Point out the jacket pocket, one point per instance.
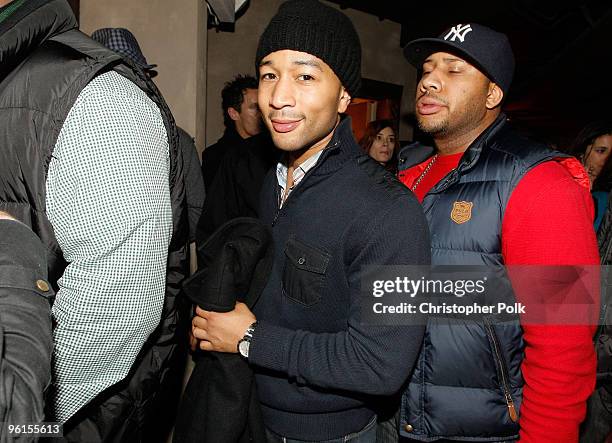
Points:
(304, 272)
(500, 363)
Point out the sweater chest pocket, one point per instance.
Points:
(304, 272)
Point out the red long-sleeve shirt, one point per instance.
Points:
(548, 221)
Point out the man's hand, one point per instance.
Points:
(221, 331)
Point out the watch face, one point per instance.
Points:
(243, 347)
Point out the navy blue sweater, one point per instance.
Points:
(319, 371)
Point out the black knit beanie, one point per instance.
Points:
(325, 32)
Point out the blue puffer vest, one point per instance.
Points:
(467, 384)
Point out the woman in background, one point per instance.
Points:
(593, 146)
(380, 142)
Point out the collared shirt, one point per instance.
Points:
(298, 175)
(108, 200)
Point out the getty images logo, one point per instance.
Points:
(458, 32)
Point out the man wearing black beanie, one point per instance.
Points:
(333, 212)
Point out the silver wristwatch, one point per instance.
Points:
(245, 343)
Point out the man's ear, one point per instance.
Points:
(233, 114)
(494, 96)
(345, 100)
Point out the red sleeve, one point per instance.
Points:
(548, 221)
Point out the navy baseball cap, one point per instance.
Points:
(486, 49)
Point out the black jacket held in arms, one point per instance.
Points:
(25, 327)
(220, 403)
(45, 62)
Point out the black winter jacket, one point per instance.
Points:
(45, 62)
(25, 327)
(320, 370)
(213, 155)
(194, 183)
(235, 189)
(604, 336)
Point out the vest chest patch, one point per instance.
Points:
(461, 212)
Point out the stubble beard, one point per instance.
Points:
(433, 128)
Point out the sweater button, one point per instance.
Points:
(301, 260)
(408, 428)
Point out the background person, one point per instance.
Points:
(237, 164)
(241, 118)
(381, 143)
(593, 146)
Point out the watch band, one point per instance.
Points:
(249, 332)
(244, 343)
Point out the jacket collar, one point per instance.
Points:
(340, 148)
(413, 154)
(230, 136)
(472, 154)
(34, 22)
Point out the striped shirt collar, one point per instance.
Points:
(298, 175)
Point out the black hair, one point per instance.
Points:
(584, 139)
(232, 95)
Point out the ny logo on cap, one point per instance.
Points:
(459, 31)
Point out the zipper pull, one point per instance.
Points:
(512, 410)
